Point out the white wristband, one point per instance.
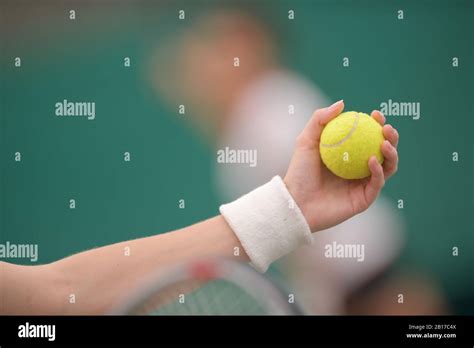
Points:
(268, 223)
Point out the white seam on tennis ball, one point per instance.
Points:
(340, 142)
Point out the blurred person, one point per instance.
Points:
(261, 105)
(230, 104)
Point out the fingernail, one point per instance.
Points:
(336, 103)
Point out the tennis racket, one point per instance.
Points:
(210, 287)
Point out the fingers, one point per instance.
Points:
(390, 134)
(309, 137)
(378, 116)
(327, 114)
(376, 182)
(390, 164)
(389, 146)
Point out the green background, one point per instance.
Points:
(82, 60)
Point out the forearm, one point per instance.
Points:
(29, 289)
(99, 278)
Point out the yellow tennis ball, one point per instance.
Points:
(347, 143)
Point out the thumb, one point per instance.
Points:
(312, 131)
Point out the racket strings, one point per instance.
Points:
(217, 297)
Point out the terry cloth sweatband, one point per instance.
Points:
(268, 223)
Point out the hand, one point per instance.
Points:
(324, 198)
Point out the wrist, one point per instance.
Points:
(267, 223)
(297, 193)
